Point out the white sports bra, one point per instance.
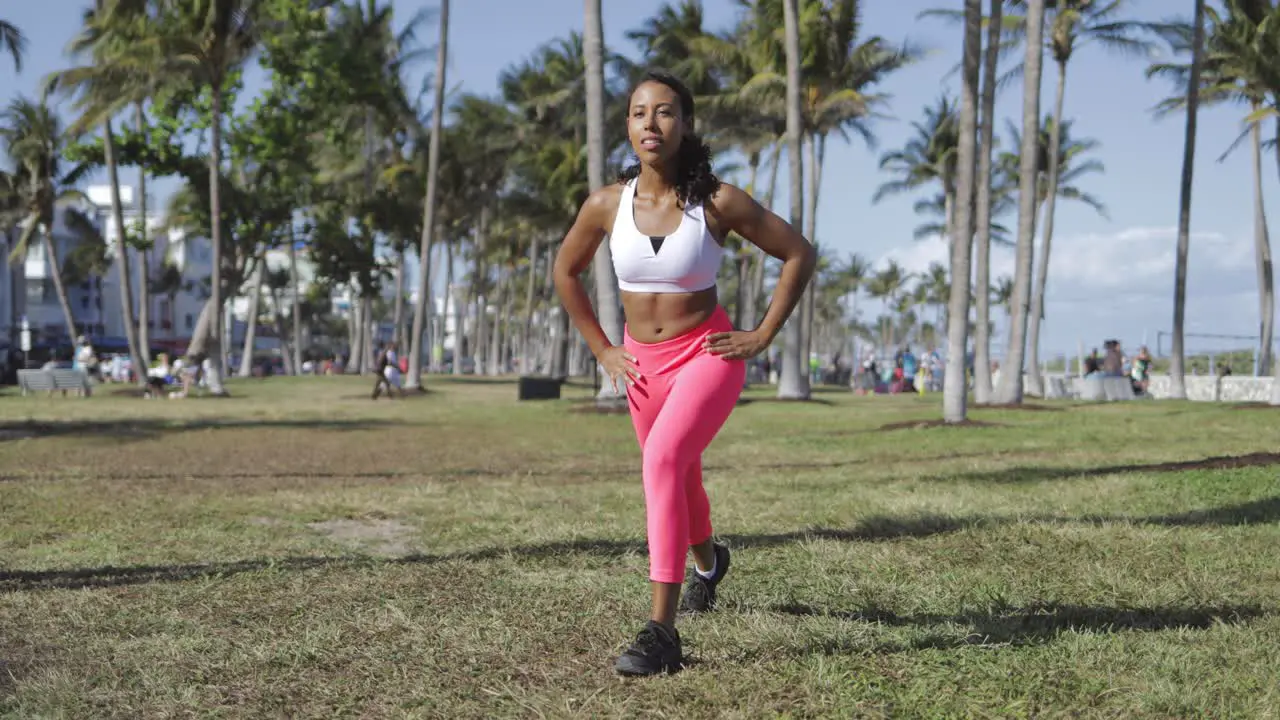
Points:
(685, 261)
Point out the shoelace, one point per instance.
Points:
(647, 641)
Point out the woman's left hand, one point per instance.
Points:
(736, 345)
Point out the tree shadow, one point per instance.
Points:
(1034, 624)
(145, 429)
(1040, 474)
(1253, 512)
(824, 402)
(872, 529)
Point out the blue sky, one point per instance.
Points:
(1111, 277)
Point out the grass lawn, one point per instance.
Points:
(298, 550)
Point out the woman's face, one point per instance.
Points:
(654, 123)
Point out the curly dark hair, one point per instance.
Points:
(695, 182)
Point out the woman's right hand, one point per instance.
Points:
(619, 363)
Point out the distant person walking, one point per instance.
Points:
(681, 361)
(388, 374)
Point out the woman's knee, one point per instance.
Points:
(663, 464)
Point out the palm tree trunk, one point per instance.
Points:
(816, 150)
(743, 259)
(122, 251)
(429, 205)
(1010, 389)
(526, 337)
(450, 304)
(353, 334)
(956, 386)
(277, 319)
(397, 310)
(251, 319)
(144, 251)
(296, 300)
(215, 235)
(1035, 383)
(501, 339)
(1275, 382)
(793, 382)
(805, 310)
(369, 332)
(1262, 244)
(982, 271)
(483, 330)
(608, 308)
(55, 274)
(760, 259)
(1178, 385)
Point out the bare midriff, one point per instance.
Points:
(655, 317)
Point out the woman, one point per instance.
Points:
(1140, 372)
(681, 361)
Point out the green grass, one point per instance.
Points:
(299, 551)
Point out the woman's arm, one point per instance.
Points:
(737, 211)
(575, 254)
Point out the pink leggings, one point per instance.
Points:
(678, 405)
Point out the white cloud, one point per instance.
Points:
(1121, 285)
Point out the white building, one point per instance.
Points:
(27, 289)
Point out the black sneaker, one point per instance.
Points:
(656, 650)
(700, 593)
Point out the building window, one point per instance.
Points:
(190, 322)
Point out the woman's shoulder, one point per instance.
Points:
(601, 206)
(727, 197)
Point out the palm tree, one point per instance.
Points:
(985, 209)
(32, 138)
(793, 384)
(607, 304)
(674, 38)
(1238, 67)
(207, 40)
(1071, 165)
(956, 386)
(104, 87)
(1178, 389)
(429, 203)
(1071, 23)
(1010, 388)
(887, 285)
(928, 157)
(12, 40)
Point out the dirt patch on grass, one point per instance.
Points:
(1029, 407)
(927, 424)
(374, 535)
(1255, 406)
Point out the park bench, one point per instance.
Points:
(75, 381)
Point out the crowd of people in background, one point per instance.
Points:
(1114, 363)
(905, 374)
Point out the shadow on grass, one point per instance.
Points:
(1031, 625)
(874, 529)
(1038, 474)
(781, 401)
(150, 428)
